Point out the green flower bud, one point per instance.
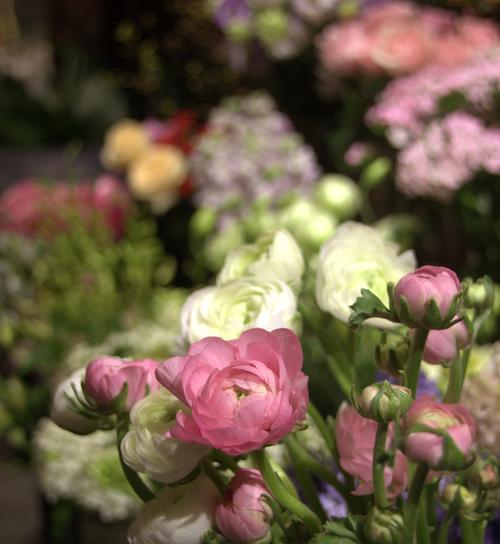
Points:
(339, 194)
(484, 473)
(271, 25)
(383, 402)
(384, 526)
(459, 499)
(221, 244)
(480, 294)
(203, 222)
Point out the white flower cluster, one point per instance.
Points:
(254, 289)
(85, 469)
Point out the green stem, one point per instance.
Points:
(379, 458)
(284, 478)
(423, 529)
(214, 475)
(411, 506)
(307, 486)
(342, 380)
(455, 382)
(322, 427)
(444, 528)
(315, 466)
(472, 531)
(282, 496)
(136, 483)
(415, 359)
(224, 460)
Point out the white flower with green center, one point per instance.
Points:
(273, 256)
(357, 257)
(146, 448)
(228, 310)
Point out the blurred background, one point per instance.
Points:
(257, 100)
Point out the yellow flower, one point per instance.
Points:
(123, 143)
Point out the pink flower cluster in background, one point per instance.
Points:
(399, 38)
(355, 437)
(440, 153)
(32, 208)
(243, 394)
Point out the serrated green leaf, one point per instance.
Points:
(368, 305)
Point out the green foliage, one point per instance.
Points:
(343, 531)
(368, 305)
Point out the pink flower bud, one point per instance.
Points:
(243, 516)
(418, 293)
(106, 378)
(442, 346)
(441, 435)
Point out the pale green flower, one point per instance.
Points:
(273, 256)
(228, 310)
(357, 257)
(146, 448)
(340, 194)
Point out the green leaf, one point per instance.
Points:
(344, 531)
(366, 306)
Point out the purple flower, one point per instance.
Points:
(229, 11)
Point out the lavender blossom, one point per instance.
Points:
(250, 151)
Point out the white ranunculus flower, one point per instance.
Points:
(145, 447)
(358, 257)
(274, 256)
(178, 515)
(228, 310)
(67, 410)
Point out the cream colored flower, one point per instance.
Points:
(146, 448)
(228, 310)
(340, 194)
(156, 174)
(273, 256)
(123, 143)
(178, 515)
(358, 257)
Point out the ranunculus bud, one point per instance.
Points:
(459, 499)
(384, 526)
(428, 297)
(391, 353)
(339, 194)
(442, 346)
(123, 143)
(178, 515)
(484, 473)
(384, 402)
(441, 435)
(148, 448)
(480, 294)
(114, 385)
(68, 409)
(244, 516)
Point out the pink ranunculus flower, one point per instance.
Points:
(448, 442)
(355, 437)
(442, 346)
(244, 394)
(420, 287)
(106, 377)
(244, 516)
